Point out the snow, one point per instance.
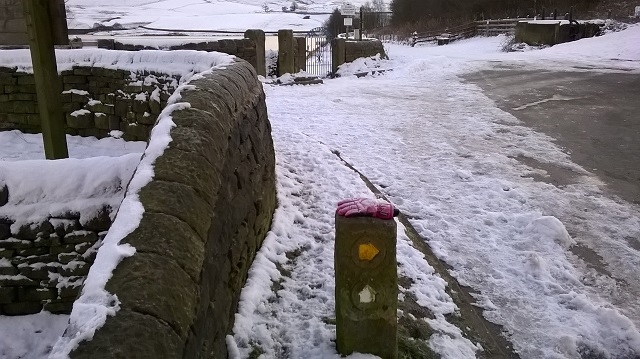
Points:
(73, 184)
(179, 63)
(442, 152)
(30, 336)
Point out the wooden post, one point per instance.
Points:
(45, 73)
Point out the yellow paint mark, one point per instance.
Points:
(366, 252)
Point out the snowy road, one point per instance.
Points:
(461, 169)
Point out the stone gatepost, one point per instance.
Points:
(366, 286)
(301, 54)
(286, 56)
(258, 38)
(338, 53)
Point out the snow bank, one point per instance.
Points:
(39, 189)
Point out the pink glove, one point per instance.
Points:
(365, 207)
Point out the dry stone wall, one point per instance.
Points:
(358, 49)
(43, 265)
(95, 101)
(207, 211)
(250, 49)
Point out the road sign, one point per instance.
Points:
(348, 21)
(637, 11)
(348, 9)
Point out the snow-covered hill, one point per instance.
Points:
(220, 15)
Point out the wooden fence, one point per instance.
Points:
(476, 28)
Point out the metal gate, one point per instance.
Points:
(318, 61)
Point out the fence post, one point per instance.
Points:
(361, 22)
(285, 52)
(45, 73)
(366, 286)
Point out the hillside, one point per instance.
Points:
(217, 15)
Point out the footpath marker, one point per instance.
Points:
(366, 278)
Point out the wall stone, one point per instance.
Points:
(207, 211)
(43, 265)
(95, 101)
(358, 49)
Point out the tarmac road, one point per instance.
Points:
(594, 116)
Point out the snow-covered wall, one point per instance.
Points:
(357, 49)
(53, 216)
(95, 101)
(102, 90)
(552, 32)
(250, 49)
(203, 213)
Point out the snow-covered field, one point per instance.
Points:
(208, 15)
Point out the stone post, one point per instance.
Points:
(338, 52)
(258, 38)
(366, 286)
(301, 54)
(285, 52)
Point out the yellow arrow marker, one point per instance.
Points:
(366, 252)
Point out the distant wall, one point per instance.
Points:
(250, 49)
(207, 211)
(12, 25)
(95, 101)
(358, 49)
(533, 33)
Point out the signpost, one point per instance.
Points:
(348, 10)
(41, 24)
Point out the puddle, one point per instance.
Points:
(556, 175)
(591, 258)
